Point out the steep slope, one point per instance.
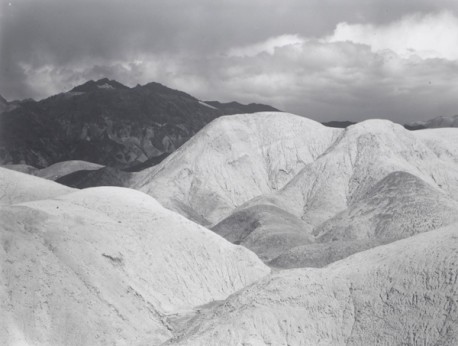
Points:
(442, 121)
(364, 154)
(265, 229)
(403, 293)
(103, 122)
(232, 160)
(17, 187)
(108, 266)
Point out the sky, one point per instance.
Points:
(323, 59)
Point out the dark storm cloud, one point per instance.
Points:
(290, 53)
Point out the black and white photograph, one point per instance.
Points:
(228, 173)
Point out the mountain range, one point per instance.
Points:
(106, 122)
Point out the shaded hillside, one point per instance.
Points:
(106, 176)
(338, 124)
(103, 122)
(265, 229)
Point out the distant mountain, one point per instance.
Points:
(442, 121)
(238, 108)
(105, 122)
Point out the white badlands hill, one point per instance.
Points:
(228, 173)
(364, 154)
(399, 206)
(404, 293)
(17, 187)
(108, 266)
(313, 170)
(234, 159)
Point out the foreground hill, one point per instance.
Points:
(234, 159)
(403, 293)
(103, 122)
(108, 266)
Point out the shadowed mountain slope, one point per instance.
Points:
(229, 108)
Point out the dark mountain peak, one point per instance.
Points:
(100, 84)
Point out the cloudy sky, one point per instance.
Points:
(325, 59)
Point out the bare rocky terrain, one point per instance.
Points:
(262, 229)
